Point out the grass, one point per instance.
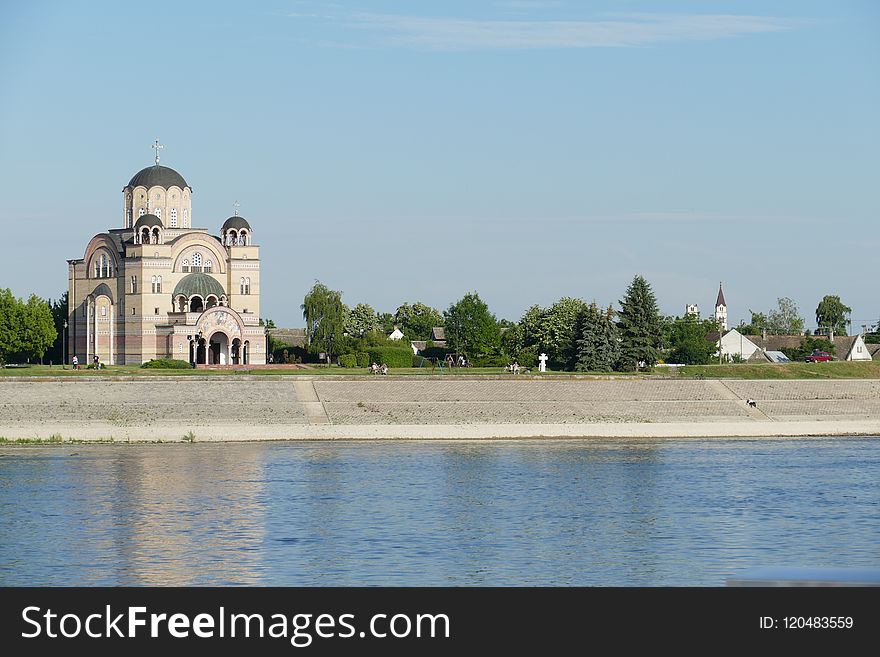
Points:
(868, 369)
(832, 370)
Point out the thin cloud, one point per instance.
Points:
(625, 32)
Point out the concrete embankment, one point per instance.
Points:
(277, 408)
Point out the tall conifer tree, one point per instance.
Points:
(598, 343)
(639, 326)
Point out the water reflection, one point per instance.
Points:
(444, 513)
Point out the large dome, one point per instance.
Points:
(200, 284)
(157, 175)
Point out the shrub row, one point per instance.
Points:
(348, 360)
(166, 364)
(391, 356)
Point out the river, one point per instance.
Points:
(535, 512)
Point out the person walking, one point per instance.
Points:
(75, 362)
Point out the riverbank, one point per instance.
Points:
(208, 409)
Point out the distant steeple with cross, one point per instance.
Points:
(236, 205)
(156, 145)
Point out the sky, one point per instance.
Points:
(402, 151)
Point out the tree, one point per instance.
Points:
(557, 330)
(831, 314)
(785, 319)
(10, 321)
(598, 342)
(27, 330)
(417, 320)
(59, 316)
(386, 322)
(38, 328)
(325, 315)
(639, 326)
(362, 319)
(687, 343)
(471, 328)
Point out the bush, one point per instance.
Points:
(527, 358)
(166, 364)
(348, 360)
(391, 356)
(363, 359)
(490, 361)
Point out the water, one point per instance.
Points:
(624, 512)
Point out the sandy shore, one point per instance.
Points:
(260, 408)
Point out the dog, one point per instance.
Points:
(752, 403)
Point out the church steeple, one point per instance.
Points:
(721, 309)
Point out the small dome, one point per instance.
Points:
(148, 220)
(235, 222)
(200, 284)
(157, 175)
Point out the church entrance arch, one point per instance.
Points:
(219, 349)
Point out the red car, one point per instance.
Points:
(819, 356)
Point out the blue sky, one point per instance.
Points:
(403, 151)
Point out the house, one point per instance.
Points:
(438, 339)
(735, 344)
(874, 350)
(396, 334)
(846, 347)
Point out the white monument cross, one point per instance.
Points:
(236, 205)
(157, 146)
(542, 367)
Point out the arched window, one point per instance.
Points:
(185, 218)
(103, 311)
(209, 265)
(153, 281)
(128, 218)
(142, 212)
(134, 284)
(247, 285)
(159, 284)
(197, 262)
(145, 235)
(159, 212)
(185, 266)
(174, 217)
(241, 286)
(103, 265)
(155, 237)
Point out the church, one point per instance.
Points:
(159, 288)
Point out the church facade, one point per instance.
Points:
(160, 288)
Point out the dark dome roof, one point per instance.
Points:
(200, 284)
(235, 222)
(157, 175)
(148, 220)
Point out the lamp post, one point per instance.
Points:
(64, 346)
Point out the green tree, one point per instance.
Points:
(324, 314)
(39, 328)
(59, 316)
(362, 319)
(639, 326)
(785, 319)
(557, 330)
(417, 320)
(11, 317)
(471, 328)
(386, 322)
(598, 342)
(831, 314)
(687, 343)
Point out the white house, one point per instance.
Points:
(396, 334)
(734, 343)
